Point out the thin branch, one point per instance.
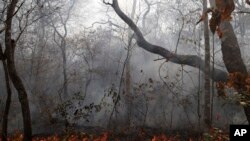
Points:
(102, 23)
(18, 8)
(107, 3)
(3, 29)
(243, 12)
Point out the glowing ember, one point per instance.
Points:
(160, 138)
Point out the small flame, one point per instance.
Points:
(103, 137)
(160, 138)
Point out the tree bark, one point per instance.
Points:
(16, 80)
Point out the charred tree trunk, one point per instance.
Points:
(16, 80)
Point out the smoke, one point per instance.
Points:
(163, 95)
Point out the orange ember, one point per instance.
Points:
(160, 138)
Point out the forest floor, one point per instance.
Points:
(142, 134)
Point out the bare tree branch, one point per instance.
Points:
(243, 12)
(107, 3)
(190, 60)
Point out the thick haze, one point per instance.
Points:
(163, 94)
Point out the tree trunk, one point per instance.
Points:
(127, 67)
(65, 76)
(17, 82)
(22, 94)
(8, 100)
(232, 57)
(231, 50)
(207, 104)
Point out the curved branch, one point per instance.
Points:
(190, 60)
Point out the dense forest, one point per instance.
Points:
(139, 70)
